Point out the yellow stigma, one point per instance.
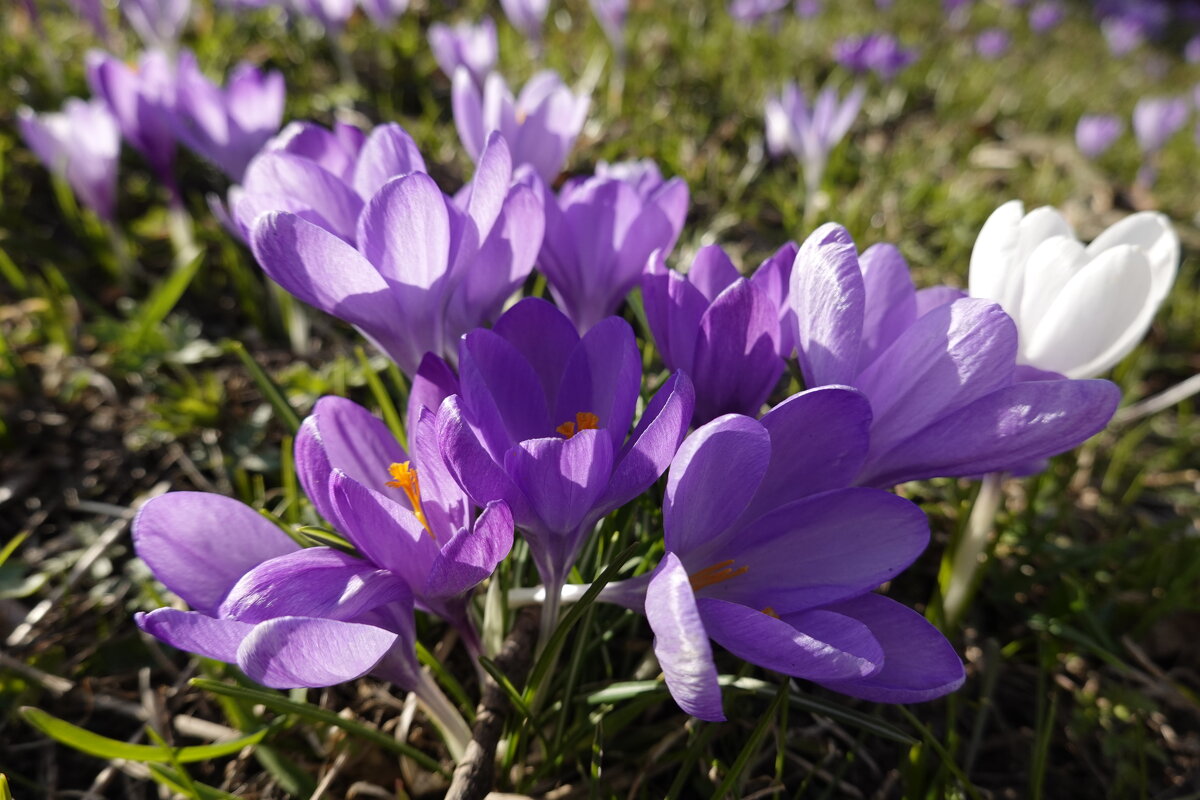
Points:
(717, 573)
(584, 421)
(770, 612)
(404, 476)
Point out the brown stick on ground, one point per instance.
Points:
(473, 777)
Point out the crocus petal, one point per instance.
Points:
(712, 271)
(200, 544)
(652, 444)
(325, 272)
(1012, 426)
(816, 645)
(545, 336)
(277, 181)
(563, 478)
(489, 186)
(447, 507)
(817, 550)
(313, 468)
(196, 633)
(681, 643)
(291, 652)
(828, 296)
(314, 582)
(384, 531)
(433, 383)
(935, 296)
(919, 664)
(819, 440)
(1101, 314)
(603, 376)
(1051, 265)
(468, 112)
(502, 391)
(1152, 232)
(480, 476)
(713, 477)
(472, 555)
(405, 232)
(355, 441)
(388, 152)
(946, 359)
(891, 303)
(994, 255)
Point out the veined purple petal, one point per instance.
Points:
(544, 336)
(276, 181)
(919, 664)
(603, 376)
(681, 643)
(388, 152)
(196, 633)
(502, 392)
(473, 553)
(290, 652)
(479, 475)
(816, 645)
(713, 477)
(563, 478)
(891, 303)
(385, 532)
(828, 296)
(433, 382)
(355, 441)
(200, 544)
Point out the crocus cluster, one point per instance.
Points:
(879, 53)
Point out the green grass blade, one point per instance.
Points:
(308, 711)
(102, 747)
(164, 297)
(734, 776)
(268, 387)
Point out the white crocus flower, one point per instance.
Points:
(1079, 310)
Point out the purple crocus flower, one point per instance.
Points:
(992, 43)
(1095, 133)
(810, 133)
(418, 525)
(769, 554)
(288, 617)
(807, 9)
(940, 373)
(540, 125)
(599, 234)
(1157, 119)
(1046, 16)
(384, 12)
(93, 12)
(472, 46)
(332, 14)
(80, 143)
(542, 423)
(880, 53)
(227, 126)
(718, 327)
(427, 267)
(750, 11)
(323, 176)
(158, 22)
(141, 100)
(527, 16)
(1123, 34)
(611, 15)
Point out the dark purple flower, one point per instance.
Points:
(719, 328)
(543, 423)
(1095, 133)
(80, 143)
(769, 554)
(288, 617)
(1046, 16)
(427, 267)
(141, 100)
(940, 374)
(599, 234)
(992, 43)
(472, 46)
(403, 512)
(880, 53)
(322, 176)
(540, 125)
(227, 126)
(1157, 119)
(527, 16)
(810, 133)
(158, 22)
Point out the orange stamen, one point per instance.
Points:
(770, 612)
(717, 573)
(404, 476)
(584, 421)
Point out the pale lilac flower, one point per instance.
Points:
(810, 132)
(1078, 310)
(472, 46)
(332, 14)
(992, 43)
(1095, 133)
(81, 143)
(93, 12)
(748, 11)
(1123, 34)
(227, 126)
(880, 53)
(158, 22)
(807, 9)
(141, 99)
(1157, 119)
(540, 124)
(527, 16)
(1046, 16)
(384, 12)
(611, 15)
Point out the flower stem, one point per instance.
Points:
(444, 714)
(969, 556)
(536, 595)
